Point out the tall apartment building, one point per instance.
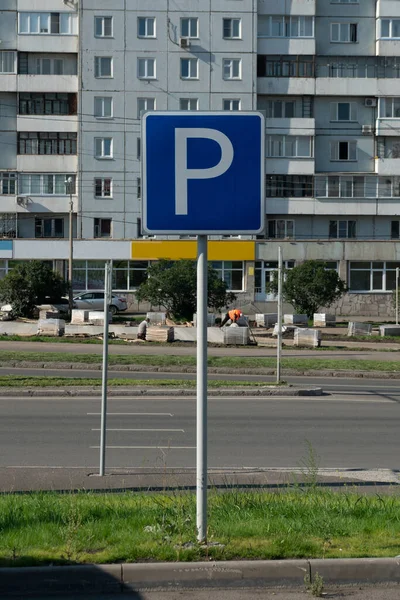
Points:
(76, 76)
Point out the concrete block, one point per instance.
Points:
(355, 328)
(160, 334)
(307, 337)
(215, 335)
(324, 320)
(365, 570)
(389, 330)
(210, 319)
(156, 318)
(266, 319)
(49, 314)
(295, 319)
(79, 316)
(52, 327)
(287, 331)
(236, 336)
(96, 317)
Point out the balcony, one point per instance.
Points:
(54, 163)
(290, 166)
(32, 123)
(280, 7)
(388, 127)
(291, 206)
(47, 43)
(61, 84)
(8, 82)
(37, 204)
(281, 86)
(388, 8)
(273, 45)
(290, 126)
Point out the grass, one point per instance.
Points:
(49, 528)
(231, 362)
(51, 381)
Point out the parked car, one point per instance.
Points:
(62, 305)
(95, 301)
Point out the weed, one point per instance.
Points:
(315, 585)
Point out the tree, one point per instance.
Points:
(173, 285)
(310, 286)
(31, 283)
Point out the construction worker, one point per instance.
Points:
(232, 315)
(143, 329)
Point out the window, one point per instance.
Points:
(103, 66)
(389, 108)
(103, 187)
(280, 228)
(47, 143)
(342, 229)
(289, 145)
(44, 184)
(190, 27)
(343, 111)
(343, 150)
(145, 104)
(47, 104)
(188, 104)
(344, 33)
(49, 66)
(102, 228)
(278, 109)
(356, 186)
(395, 230)
(388, 147)
(57, 23)
(285, 26)
(146, 68)
(8, 62)
(189, 68)
(8, 184)
(285, 66)
(231, 272)
(103, 26)
(378, 276)
(103, 107)
(103, 147)
(232, 29)
(146, 27)
(49, 228)
(232, 68)
(289, 186)
(389, 28)
(231, 104)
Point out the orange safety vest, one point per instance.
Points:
(234, 314)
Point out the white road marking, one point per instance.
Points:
(135, 414)
(108, 429)
(147, 447)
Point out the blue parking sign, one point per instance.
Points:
(203, 173)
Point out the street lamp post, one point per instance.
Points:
(69, 184)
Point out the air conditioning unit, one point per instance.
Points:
(367, 130)
(370, 102)
(23, 201)
(184, 43)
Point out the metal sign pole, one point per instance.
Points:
(103, 426)
(201, 412)
(397, 295)
(279, 334)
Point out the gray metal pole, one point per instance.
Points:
(397, 295)
(103, 425)
(71, 247)
(279, 336)
(201, 414)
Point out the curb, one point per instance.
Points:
(139, 576)
(215, 370)
(135, 391)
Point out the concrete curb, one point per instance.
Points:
(16, 364)
(138, 576)
(135, 391)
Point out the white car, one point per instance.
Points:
(95, 301)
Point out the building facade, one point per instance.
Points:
(76, 76)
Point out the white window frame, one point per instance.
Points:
(100, 144)
(352, 112)
(372, 267)
(352, 150)
(192, 23)
(284, 141)
(40, 221)
(287, 25)
(192, 65)
(225, 268)
(341, 26)
(103, 196)
(227, 104)
(102, 102)
(146, 101)
(98, 71)
(52, 62)
(3, 61)
(271, 109)
(102, 20)
(32, 16)
(146, 62)
(99, 226)
(8, 180)
(42, 177)
(189, 102)
(383, 105)
(286, 223)
(230, 23)
(390, 36)
(146, 21)
(228, 64)
(340, 223)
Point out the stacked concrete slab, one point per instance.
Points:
(51, 327)
(96, 317)
(355, 328)
(307, 337)
(295, 319)
(79, 317)
(238, 336)
(389, 330)
(210, 320)
(324, 320)
(266, 319)
(160, 334)
(156, 318)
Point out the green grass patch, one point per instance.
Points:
(51, 381)
(49, 528)
(231, 362)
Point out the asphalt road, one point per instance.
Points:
(349, 430)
